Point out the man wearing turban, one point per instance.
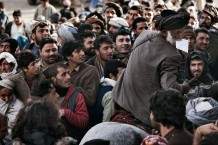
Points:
(153, 65)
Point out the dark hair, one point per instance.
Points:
(148, 9)
(42, 88)
(17, 13)
(41, 115)
(69, 47)
(201, 30)
(137, 8)
(86, 35)
(25, 58)
(84, 27)
(11, 64)
(168, 108)
(46, 41)
(97, 142)
(111, 66)
(121, 31)
(2, 5)
(52, 70)
(136, 21)
(214, 91)
(101, 40)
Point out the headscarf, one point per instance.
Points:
(202, 110)
(10, 59)
(7, 84)
(171, 20)
(154, 140)
(67, 31)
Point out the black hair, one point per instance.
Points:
(84, 28)
(97, 142)
(101, 40)
(111, 66)
(201, 30)
(17, 13)
(69, 47)
(86, 35)
(121, 31)
(46, 41)
(42, 88)
(41, 115)
(52, 70)
(136, 21)
(137, 8)
(168, 108)
(25, 58)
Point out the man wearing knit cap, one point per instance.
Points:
(112, 10)
(153, 65)
(115, 23)
(15, 27)
(97, 24)
(207, 18)
(189, 34)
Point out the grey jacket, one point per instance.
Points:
(153, 65)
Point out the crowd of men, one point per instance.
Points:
(64, 73)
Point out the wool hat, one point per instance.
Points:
(94, 19)
(154, 140)
(37, 23)
(115, 6)
(188, 32)
(212, 11)
(171, 20)
(133, 3)
(67, 3)
(55, 17)
(67, 31)
(118, 22)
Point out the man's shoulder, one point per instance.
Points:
(91, 61)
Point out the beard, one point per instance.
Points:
(204, 25)
(170, 39)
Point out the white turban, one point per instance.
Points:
(7, 84)
(10, 59)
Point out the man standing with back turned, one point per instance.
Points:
(153, 65)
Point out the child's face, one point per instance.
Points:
(6, 95)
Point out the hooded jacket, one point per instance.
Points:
(205, 77)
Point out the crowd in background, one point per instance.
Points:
(110, 72)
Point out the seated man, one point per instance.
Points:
(28, 76)
(167, 114)
(48, 50)
(73, 108)
(197, 66)
(9, 104)
(83, 76)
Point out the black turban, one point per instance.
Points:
(170, 20)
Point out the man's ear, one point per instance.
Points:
(53, 79)
(96, 52)
(33, 36)
(164, 33)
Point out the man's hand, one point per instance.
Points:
(61, 112)
(204, 130)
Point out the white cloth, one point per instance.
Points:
(17, 30)
(10, 59)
